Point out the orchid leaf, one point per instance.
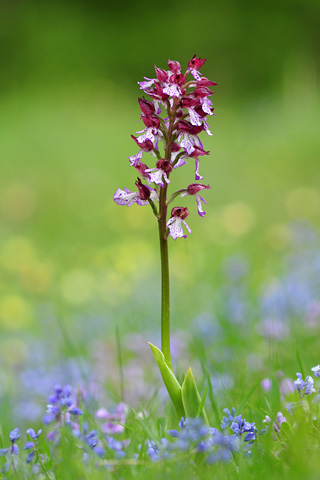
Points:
(191, 398)
(172, 385)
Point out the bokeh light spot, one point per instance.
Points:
(78, 287)
(15, 312)
(237, 218)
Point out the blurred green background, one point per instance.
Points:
(68, 101)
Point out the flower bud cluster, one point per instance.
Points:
(174, 116)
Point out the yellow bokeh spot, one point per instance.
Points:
(303, 202)
(136, 217)
(15, 312)
(215, 232)
(36, 277)
(113, 287)
(18, 202)
(78, 287)
(278, 236)
(16, 254)
(237, 218)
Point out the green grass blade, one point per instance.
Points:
(247, 398)
(203, 399)
(299, 360)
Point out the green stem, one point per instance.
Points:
(163, 238)
(165, 288)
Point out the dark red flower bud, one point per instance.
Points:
(175, 147)
(200, 112)
(174, 66)
(146, 145)
(151, 122)
(162, 75)
(164, 165)
(146, 106)
(198, 152)
(196, 63)
(185, 126)
(201, 92)
(178, 78)
(194, 188)
(188, 102)
(144, 191)
(181, 212)
(204, 82)
(142, 167)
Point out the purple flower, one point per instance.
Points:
(116, 419)
(228, 419)
(161, 172)
(128, 198)
(240, 426)
(14, 449)
(194, 189)
(266, 384)
(194, 64)
(178, 215)
(61, 407)
(14, 435)
(316, 371)
(304, 387)
(33, 434)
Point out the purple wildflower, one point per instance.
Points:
(14, 449)
(304, 387)
(128, 198)
(178, 216)
(266, 384)
(161, 172)
(316, 371)
(62, 405)
(32, 445)
(194, 189)
(185, 104)
(240, 426)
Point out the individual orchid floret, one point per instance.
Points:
(145, 144)
(197, 152)
(141, 169)
(316, 371)
(141, 197)
(161, 172)
(194, 189)
(193, 66)
(178, 216)
(174, 66)
(147, 107)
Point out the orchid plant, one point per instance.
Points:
(174, 117)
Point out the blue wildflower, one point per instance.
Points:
(14, 449)
(228, 419)
(32, 445)
(61, 406)
(240, 426)
(304, 387)
(316, 370)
